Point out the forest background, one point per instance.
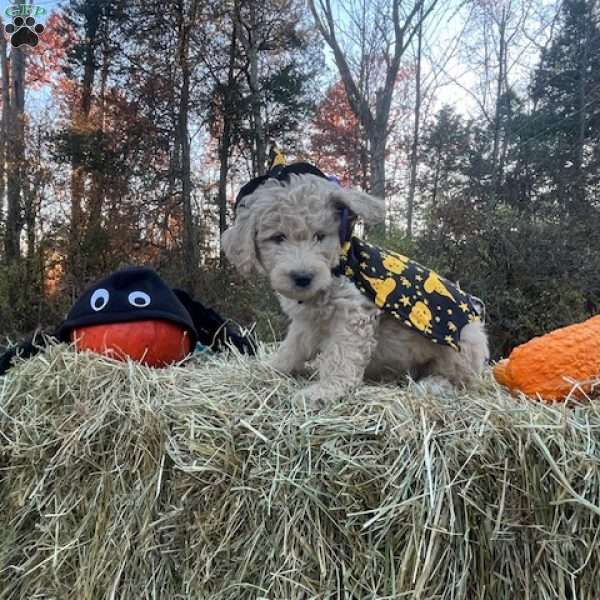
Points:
(127, 131)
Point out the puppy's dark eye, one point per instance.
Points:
(319, 236)
(277, 239)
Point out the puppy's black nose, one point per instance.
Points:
(301, 279)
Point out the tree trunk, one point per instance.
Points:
(377, 159)
(378, 142)
(225, 142)
(32, 192)
(496, 172)
(190, 259)
(4, 119)
(172, 197)
(405, 26)
(16, 157)
(93, 238)
(189, 243)
(30, 213)
(259, 159)
(364, 164)
(80, 117)
(415, 140)
(259, 129)
(579, 179)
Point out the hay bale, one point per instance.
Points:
(119, 481)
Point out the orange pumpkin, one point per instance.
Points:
(153, 343)
(545, 365)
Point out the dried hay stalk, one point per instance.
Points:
(119, 481)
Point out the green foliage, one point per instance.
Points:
(525, 282)
(533, 264)
(289, 101)
(519, 229)
(250, 302)
(394, 239)
(566, 92)
(23, 304)
(91, 150)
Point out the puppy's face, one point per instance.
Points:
(297, 242)
(291, 232)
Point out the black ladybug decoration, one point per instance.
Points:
(132, 313)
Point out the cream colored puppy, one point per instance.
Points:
(290, 231)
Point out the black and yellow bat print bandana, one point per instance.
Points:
(416, 296)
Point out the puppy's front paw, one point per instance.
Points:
(316, 396)
(282, 363)
(436, 385)
(312, 396)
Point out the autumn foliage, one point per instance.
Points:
(45, 60)
(338, 144)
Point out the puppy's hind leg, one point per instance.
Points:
(464, 367)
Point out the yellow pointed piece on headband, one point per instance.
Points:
(278, 159)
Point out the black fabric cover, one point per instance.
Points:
(213, 330)
(280, 174)
(131, 294)
(25, 349)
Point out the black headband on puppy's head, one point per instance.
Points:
(280, 172)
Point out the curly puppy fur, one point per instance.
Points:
(290, 233)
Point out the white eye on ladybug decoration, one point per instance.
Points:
(99, 299)
(139, 299)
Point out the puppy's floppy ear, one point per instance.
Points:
(238, 242)
(369, 208)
